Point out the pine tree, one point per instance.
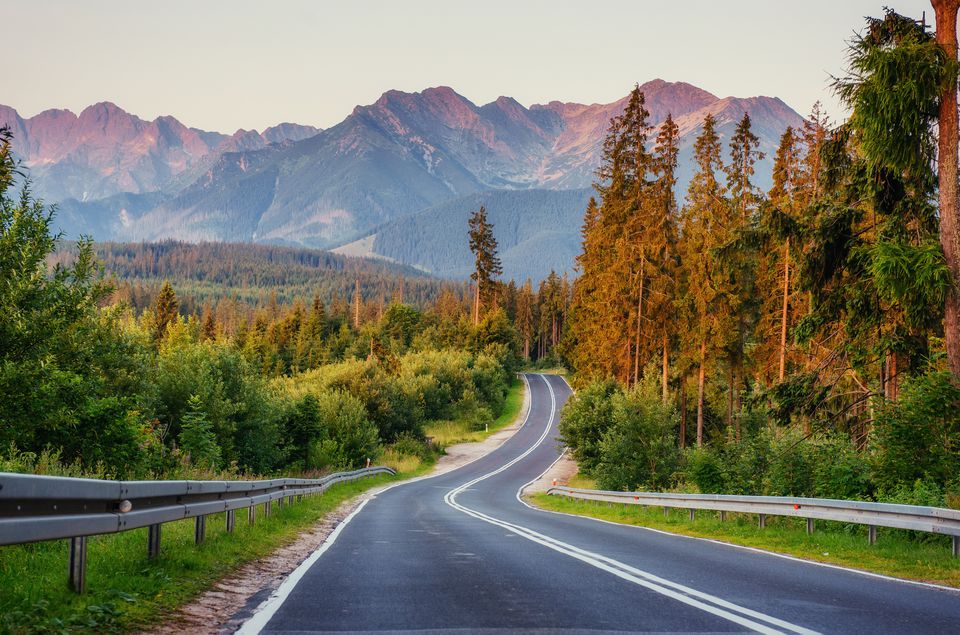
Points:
(197, 439)
(709, 299)
(524, 315)
(946, 12)
(165, 311)
(208, 329)
(487, 264)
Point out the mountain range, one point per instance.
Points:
(404, 169)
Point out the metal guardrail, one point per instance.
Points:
(934, 520)
(37, 508)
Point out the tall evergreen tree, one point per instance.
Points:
(709, 298)
(487, 267)
(165, 310)
(946, 13)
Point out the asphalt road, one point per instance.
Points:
(460, 551)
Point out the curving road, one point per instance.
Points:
(461, 551)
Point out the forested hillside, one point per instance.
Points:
(211, 273)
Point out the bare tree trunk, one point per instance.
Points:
(736, 402)
(683, 412)
(356, 305)
(476, 304)
(730, 395)
(665, 376)
(783, 317)
(946, 12)
(700, 382)
(636, 359)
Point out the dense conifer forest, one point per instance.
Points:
(797, 338)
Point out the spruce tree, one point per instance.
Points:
(709, 299)
(165, 310)
(487, 264)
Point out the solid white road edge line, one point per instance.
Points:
(776, 554)
(682, 594)
(266, 610)
(262, 614)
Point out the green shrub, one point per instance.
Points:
(918, 438)
(585, 418)
(705, 470)
(639, 449)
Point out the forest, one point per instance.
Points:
(800, 341)
(289, 361)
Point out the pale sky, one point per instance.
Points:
(222, 65)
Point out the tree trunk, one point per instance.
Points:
(476, 304)
(946, 12)
(700, 382)
(783, 316)
(683, 412)
(636, 359)
(730, 395)
(665, 376)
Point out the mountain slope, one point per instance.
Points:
(105, 150)
(411, 151)
(537, 231)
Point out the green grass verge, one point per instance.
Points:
(898, 553)
(125, 590)
(446, 433)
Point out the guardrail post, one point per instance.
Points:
(763, 520)
(693, 514)
(78, 564)
(723, 515)
(956, 546)
(267, 508)
(252, 514)
(666, 512)
(872, 534)
(199, 529)
(153, 540)
(809, 525)
(231, 520)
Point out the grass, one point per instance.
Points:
(125, 590)
(898, 553)
(445, 433)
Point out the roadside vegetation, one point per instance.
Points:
(125, 590)
(897, 553)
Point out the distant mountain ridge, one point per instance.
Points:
(403, 154)
(105, 150)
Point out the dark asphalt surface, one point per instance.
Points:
(418, 558)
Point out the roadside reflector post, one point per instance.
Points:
(153, 541)
(78, 564)
(231, 520)
(693, 514)
(872, 534)
(199, 529)
(809, 525)
(763, 520)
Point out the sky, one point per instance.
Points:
(223, 65)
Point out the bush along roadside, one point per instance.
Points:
(630, 440)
